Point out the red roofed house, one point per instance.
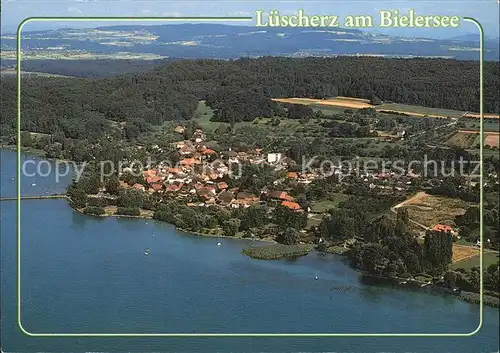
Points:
(208, 151)
(149, 173)
(154, 179)
(444, 228)
(190, 161)
(382, 176)
(222, 185)
(173, 187)
(139, 187)
(247, 196)
(280, 195)
(156, 187)
(174, 170)
(199, 186)
(293, 175)
(292, 205)
(206, 191)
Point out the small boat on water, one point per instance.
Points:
(146, 252)
(316, 275)
(34, 184)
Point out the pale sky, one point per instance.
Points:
(485, 11)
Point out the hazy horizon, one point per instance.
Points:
(15, 11)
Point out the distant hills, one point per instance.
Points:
(227, 42)
(474, 37)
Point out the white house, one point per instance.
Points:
(274, 157)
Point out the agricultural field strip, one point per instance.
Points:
(358, 103)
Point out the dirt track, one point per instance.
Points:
(477, 132)
(487, 116)
(412, 113)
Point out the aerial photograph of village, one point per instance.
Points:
(212, 184)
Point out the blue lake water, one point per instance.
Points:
(82, 274)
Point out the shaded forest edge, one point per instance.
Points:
(92, 68)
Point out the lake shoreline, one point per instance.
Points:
(395, 280)
(469, 297)
(192, 233)
(36, 153)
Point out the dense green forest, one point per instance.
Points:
(238, 90)
(88, 68)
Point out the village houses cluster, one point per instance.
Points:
(202, 175)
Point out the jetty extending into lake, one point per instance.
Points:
(36, 197)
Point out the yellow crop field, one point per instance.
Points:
(335, 102)
(360, 103)
(463, 252)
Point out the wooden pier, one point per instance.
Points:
(39, 197)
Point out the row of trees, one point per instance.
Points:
(255, 219)
(386, 246)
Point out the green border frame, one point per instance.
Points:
(323, 335)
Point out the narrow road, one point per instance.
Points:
(454, 122)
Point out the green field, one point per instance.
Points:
(474, 124)
(327, 110)
(259, 127)
(314, 221)
(463, 140)
(420, 110)
(489, 258)
(325, 205)
(203, 115)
